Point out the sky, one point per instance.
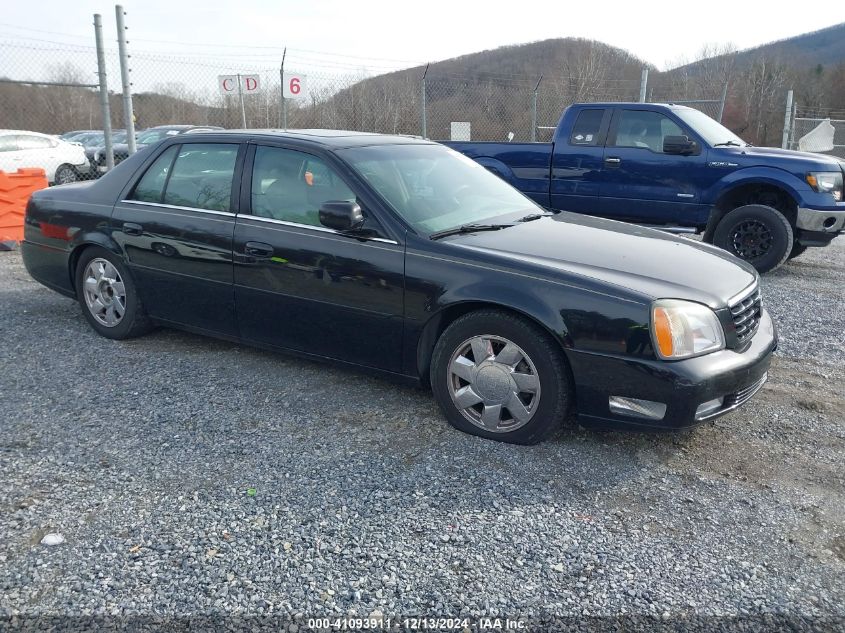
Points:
(387, 35)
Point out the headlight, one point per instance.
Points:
(682, 329)
(96, 157)
(826, 182)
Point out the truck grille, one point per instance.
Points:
(746, 315)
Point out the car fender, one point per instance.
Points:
(752, 175)
(497, 167)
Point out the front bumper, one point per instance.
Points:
(681, 385)
(832, 221)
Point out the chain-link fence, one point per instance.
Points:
(818, 130)
(51, 88)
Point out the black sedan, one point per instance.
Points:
(400, 256)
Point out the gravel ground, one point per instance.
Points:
(194, 477)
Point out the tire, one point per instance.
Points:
(797, 249)
(65, 174)
(108, 297)
(756, 233)
(544, 390)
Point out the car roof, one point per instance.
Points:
(335, 139)
(637, 104)
(25, 132)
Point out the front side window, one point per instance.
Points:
(292, 186)
(587, 127)
(646, 130)
(8, 143)
(27, 141)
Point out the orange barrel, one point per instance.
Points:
(15, 189)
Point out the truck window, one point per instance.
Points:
(586, 128)
(638, 128)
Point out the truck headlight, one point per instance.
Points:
(826, 182)
(682, 329)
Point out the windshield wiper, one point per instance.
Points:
(534, 216)
(467, 228)
(728, 144)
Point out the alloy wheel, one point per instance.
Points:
(751, 239)
(104, 291)
(494, 383)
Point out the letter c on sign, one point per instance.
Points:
(226, 84)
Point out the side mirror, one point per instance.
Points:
(341, 215)
(679, 145)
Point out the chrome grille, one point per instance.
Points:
(746, 315)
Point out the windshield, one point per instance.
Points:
(434, 188)
(713, 132)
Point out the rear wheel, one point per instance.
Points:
(65, 174)
(108, 297)
(759, 234)
(497, 375)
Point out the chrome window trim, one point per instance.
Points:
(322, 229)
(227, 214)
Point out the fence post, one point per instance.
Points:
(282, 89)
(722, 103)
(128, 114)
(643, 84)
(241, 97)
(104, 89)
(787, 121)
(534, 111)
(423, 126)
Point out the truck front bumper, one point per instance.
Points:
(820, 220)
(685, 387)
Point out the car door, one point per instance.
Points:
(577, 162)
(305, 287)
(175, 226)
(639, 181)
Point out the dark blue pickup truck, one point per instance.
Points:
(675, 168)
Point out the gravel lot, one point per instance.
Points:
(190, 476)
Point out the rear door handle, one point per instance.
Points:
(258, 249)
(612, 160)
(130, 228)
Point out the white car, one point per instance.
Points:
(64, 162)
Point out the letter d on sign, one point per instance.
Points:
(252, 84)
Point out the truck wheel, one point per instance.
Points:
(797, 249)
(759, 234)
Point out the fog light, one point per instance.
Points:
(637, 408)
(709, 407)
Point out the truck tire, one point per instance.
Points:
(797, 249)
(756, 233)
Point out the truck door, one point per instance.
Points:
(641, 183)
(577, 161)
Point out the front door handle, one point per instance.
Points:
(612, 160)
(258, 249)
(130, 228)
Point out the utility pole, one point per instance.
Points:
(423, 123)
(128, 114)
(282, 89)
(241, 97)
(104, 89)
(643, 84)
(787, 121)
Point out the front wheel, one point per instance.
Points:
(499, 376)
(108, 296)
(759, 234)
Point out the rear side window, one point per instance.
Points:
(151, 186)
(202, 176)
(8, 143)
(26, 141)
(587, 127)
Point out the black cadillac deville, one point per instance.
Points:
(401, 256)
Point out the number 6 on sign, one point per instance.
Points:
(294, 87)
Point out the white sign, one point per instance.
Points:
(294, 87)
(461, 131)
(228, 84)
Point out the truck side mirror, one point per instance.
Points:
(679, 145)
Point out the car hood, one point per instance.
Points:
(820, 162)
(646, 261)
